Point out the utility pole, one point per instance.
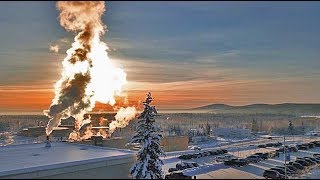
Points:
(285, 156)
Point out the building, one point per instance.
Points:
(64, 160)
(37, 131)
(175, 143)
(169, 143)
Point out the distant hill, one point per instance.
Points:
(285, 108)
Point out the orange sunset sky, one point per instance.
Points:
(188, 54)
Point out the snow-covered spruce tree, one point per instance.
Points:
(148, 165)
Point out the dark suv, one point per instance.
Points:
(236, 162)
(272, 174)
(303, 147)
(311, 145)
(262, 146)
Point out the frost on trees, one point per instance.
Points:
(148, 165)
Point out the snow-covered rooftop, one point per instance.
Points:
(32, 157)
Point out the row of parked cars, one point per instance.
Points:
(203, 154)
(183, 166)
(309, 145)
(257, 157)
(293, 167)
(277, 144)
(304, 146)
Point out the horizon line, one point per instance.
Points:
(159, 109)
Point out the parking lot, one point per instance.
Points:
(210, 168)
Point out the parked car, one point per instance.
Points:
(220, 151)
(219, 158)
(236, 162)
(311, 145)
(181, 166)
(205, 153)
(224, 151)
(253, 158)
(272, 174)
(316, 155)
(280, 170)
(262, 146)
(185, 156)
(269, 145)
(303, 147)
(230, 162)
(293, 149)
(303, 162)
(213, 152)
(292, 168)
(243, 162)
(297, 165)
(177, 175)
(316, 143)
(313, 159)
(277, 144)
(309, 160)
(263, 156)
(289, 171)
(197, 155)
(188, 165)
(172, 169)
(195, 148)
(195, 164)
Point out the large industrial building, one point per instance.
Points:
(64, 160)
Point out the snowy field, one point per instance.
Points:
(210, 169)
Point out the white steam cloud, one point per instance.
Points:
(122, 118)
(88, 75)
(54, 48)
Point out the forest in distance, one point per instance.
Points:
(181, 123)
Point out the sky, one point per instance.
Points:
(188, 54)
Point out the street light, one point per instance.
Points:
(286, 156)
(284, 152)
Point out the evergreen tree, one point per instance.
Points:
(290, 128)
(254, 127)
(149, 165)
(208, 129)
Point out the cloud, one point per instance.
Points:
(54, 48)
(64, 40)
(60, 44)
